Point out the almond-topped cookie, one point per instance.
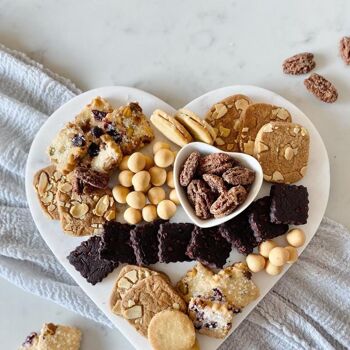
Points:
(224, 117)
(253, 118)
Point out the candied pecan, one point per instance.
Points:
(228, 201)
(344, 48)
(301, 63)
(321, 88)
(216, 163)
(239, 176)
(216, 183)
(200, 197)
(91, 177)
(189, 168)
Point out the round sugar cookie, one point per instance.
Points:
(282, 150)
(171, 330)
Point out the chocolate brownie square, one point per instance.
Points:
(173, 240)
(260, 223)
(86, 260)
(289, 204)
(239, 233)
(209, 247)
(144, 240)
(116, 244)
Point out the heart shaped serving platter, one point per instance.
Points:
(317, 180)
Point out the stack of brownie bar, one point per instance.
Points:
(166, 242)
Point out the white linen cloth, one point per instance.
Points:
(307, 309)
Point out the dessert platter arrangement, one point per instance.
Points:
(177, 221)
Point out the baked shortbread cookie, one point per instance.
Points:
(128, 277)
(224, 117)
(83, 214)
(253, 118)
(171, 330)
(45, 183)
(170, 128)
(212, 318)
(282, 149)
(68, 147)
(57, 337)
(198, 128)
(148, 297)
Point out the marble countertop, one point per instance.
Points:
(179, 50)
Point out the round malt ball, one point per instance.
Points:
(166, 209)
(136, 162)
(141, 180)
(149, 213)
(278, 256)
(124, 163)
(296, 237)
(255, 262)
(158, 176)
(149, 162)
(173, 197)
(170, 179)
(119, 193)
(266, 247)
(164, 158)
(132, 216)
(160, 145)
(125, 178)
(272, 269)
(156, 195)
(136, 199)
(293, 254)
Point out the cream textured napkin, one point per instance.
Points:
(307, 309)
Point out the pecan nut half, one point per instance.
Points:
(321, 88)
(216, 183)
(301, 63)
(200, 197)
(189, 169)
(216, 163)
(344, 48)
(228, 201)
(239, 176)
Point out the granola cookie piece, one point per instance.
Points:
(215, 163)
(131, 125)
(200, 197)
(344, 49)
(301, 63)
(239, 176)
(224, 117)
(228, 201)
(83, 214)
(45, 183)
(216, 183)
(67, 148)
(189, 169)
(253, 118)
(321, 88)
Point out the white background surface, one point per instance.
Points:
(178, 50)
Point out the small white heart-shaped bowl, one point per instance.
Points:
(204, 149)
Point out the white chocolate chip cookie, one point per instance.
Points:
(283, 151)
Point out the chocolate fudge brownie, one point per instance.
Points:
(239, 233)
(208, 247)
(289, 204)
(260, 223)
(86, 260)
(115, 243)
(173, 240)
(144, 240)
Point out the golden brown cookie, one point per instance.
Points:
(45, 183)
(253, 118)
(171, 330)
(283, 151)
(148, 297)
(224, 117)
(83, 214)
(128, 277)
